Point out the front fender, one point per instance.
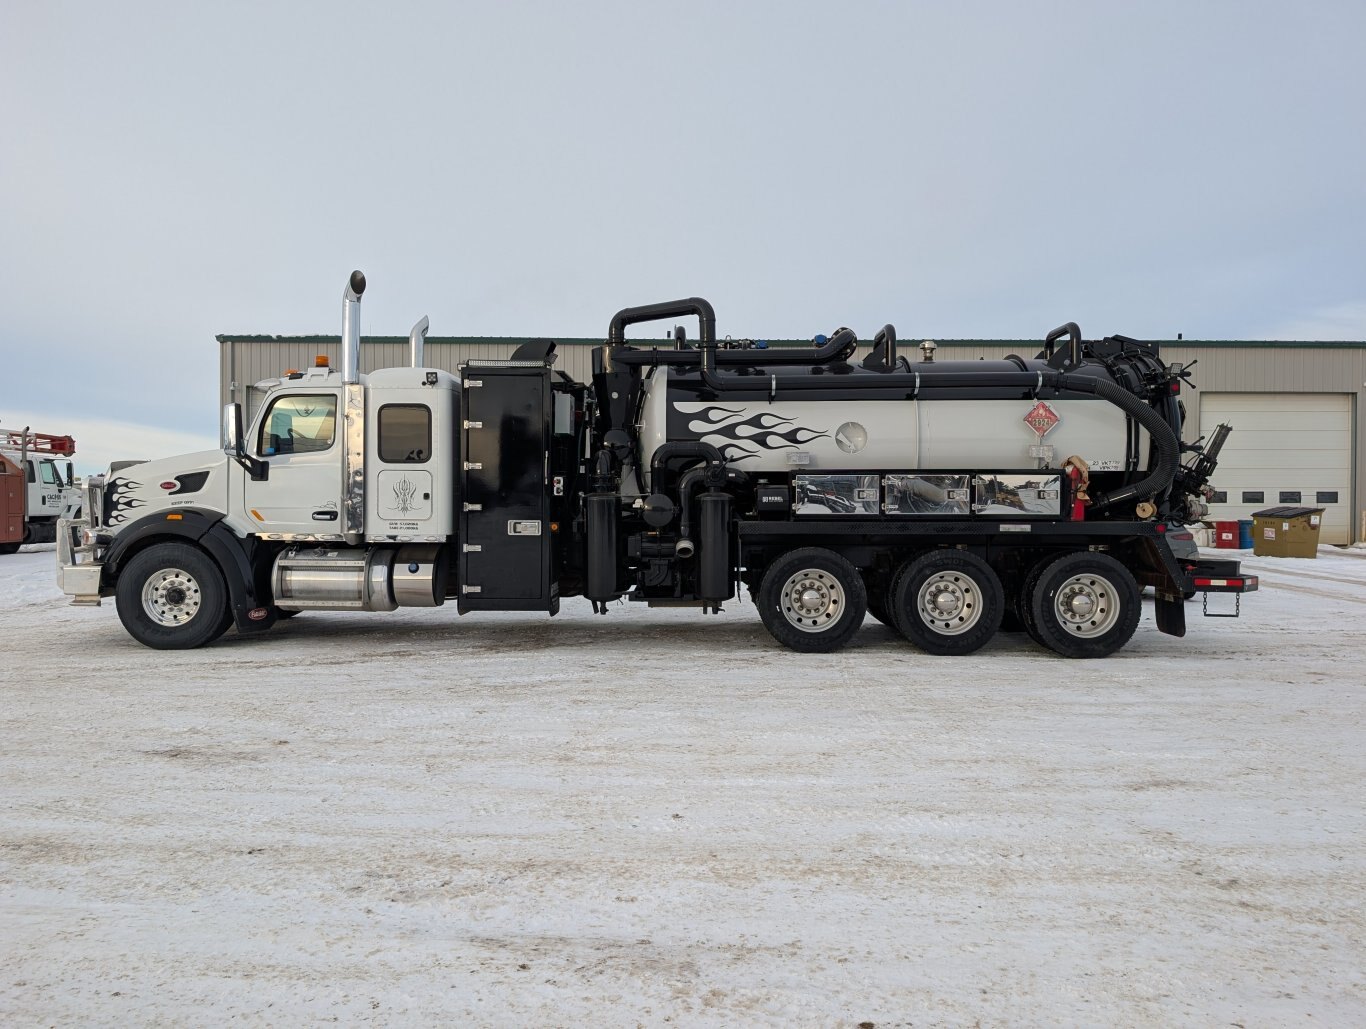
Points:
(236, 558)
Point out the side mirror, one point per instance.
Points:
(232, 430)
(234, 445)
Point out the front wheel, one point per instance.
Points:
(1084, 605)
(172, 596)
(812, 600)
(948, 602)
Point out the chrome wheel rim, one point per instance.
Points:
(949, 602)
(812, 600)
(1086, 605)
(171, 597)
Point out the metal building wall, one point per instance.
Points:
(1283, 368)
(1225, 367)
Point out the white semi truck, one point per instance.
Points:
(948, 499)
(37, 486)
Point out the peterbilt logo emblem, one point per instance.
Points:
(1042, 419)
(851, 437)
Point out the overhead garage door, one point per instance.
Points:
(1285, 448)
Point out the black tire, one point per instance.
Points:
(172, 596)
(948, 602)
(812, 600)
(1024, 602)
(1085, 605)
(10, 548)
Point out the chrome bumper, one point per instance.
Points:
(78, 564)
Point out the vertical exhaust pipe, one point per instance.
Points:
(417, 339)
(355, 286)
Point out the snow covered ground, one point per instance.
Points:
(655, 817)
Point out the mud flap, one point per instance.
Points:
(1171, 615)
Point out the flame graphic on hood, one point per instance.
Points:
(119, 503)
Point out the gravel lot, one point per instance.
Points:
(655, 817)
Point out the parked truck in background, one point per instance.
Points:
(947, 499)
(37, 486)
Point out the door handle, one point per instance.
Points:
(324, 516)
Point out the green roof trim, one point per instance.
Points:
(907, 343)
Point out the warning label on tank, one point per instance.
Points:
(1042, 419)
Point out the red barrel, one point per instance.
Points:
(1226, 535)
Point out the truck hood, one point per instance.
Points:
(190, 480)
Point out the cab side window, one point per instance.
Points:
(405, 433)
(47, 472)
(298, 425)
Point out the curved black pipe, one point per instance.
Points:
(706, 317)
(686, 484)
(668, 451)
(836, 348)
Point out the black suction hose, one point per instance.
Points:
(1168, 446)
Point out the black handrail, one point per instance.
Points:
(1074, 347)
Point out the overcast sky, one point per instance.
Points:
(171, 171)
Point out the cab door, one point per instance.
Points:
(297, 436)
(45, 499)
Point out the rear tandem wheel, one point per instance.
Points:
(1083, 605)
(812, 600)
(947, 602)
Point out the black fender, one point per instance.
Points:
(248, 593)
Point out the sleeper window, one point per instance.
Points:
(405, 433)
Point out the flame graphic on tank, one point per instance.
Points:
(404, 492)
(715, 415)
(119, 502)
(748, 437)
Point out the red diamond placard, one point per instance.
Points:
(1042, 419)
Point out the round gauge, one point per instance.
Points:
(851, 437)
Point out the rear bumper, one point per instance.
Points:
(1214, 575)
(78, 567)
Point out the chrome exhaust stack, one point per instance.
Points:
(417, 339)
(355, 286)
